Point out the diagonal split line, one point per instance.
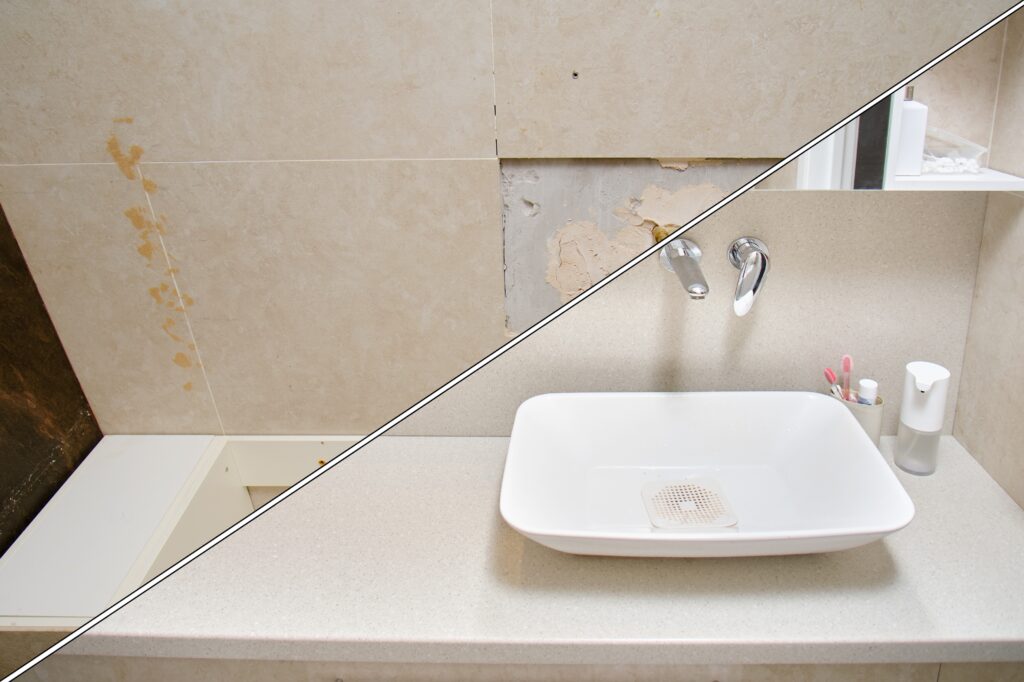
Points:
(494, 355)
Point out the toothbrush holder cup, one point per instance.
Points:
(868, 416)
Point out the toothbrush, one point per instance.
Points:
(830, 377)
(847, 369)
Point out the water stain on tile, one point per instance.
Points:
(124, 119)
(149, 186)
(182, 360)
(187, 386)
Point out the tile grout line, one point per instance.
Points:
(494, 81)
(184, 309)
(230, 161)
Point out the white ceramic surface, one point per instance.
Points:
(797, 470)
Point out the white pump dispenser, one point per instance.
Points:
(925, 387)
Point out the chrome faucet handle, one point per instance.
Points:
(682, 257)
(750, 257)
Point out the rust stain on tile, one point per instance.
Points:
(124, 119)
(126, 162)
(145, 250)
(136, 217)
(166, 326)
(145, 225)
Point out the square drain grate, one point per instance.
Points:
(691, 503)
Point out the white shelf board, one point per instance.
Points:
(987, 180)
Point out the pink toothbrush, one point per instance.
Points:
(830, 377)
(847, 369)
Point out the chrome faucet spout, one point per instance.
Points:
(682, 256)
(750, 257)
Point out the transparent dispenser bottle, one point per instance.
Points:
(921, 414)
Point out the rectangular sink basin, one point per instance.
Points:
(697, 475)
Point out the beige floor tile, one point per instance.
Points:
(246, 79)
(95, 254)
(329, 296)
(598, 78)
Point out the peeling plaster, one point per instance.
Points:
(570, 222)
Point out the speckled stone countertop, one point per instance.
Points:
(399, 554)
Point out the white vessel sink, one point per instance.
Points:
(697, 475)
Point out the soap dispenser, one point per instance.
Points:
(921, 415)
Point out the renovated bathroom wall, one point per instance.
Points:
(961, 92)
(988, 419)
(884, 276)
(256, 217)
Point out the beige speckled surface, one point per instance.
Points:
(989, 409)
(247, 79)
(399, 555)
(665, 79)
(1007, 142)
(642, 333)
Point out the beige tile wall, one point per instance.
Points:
(247, 79)
(670, 79)
(309, 292)
(842, 281)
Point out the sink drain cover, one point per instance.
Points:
(692, 503)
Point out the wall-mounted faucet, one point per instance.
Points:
(750, 257)
(682, 256)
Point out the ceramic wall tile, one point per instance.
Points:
(988, 419)
(247, 79)
(330, 296)
(94, 250)
(587, 78)
(841, 282)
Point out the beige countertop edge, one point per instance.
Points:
(579, 652)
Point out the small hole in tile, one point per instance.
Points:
(575, 75)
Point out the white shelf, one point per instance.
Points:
(987, 180)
